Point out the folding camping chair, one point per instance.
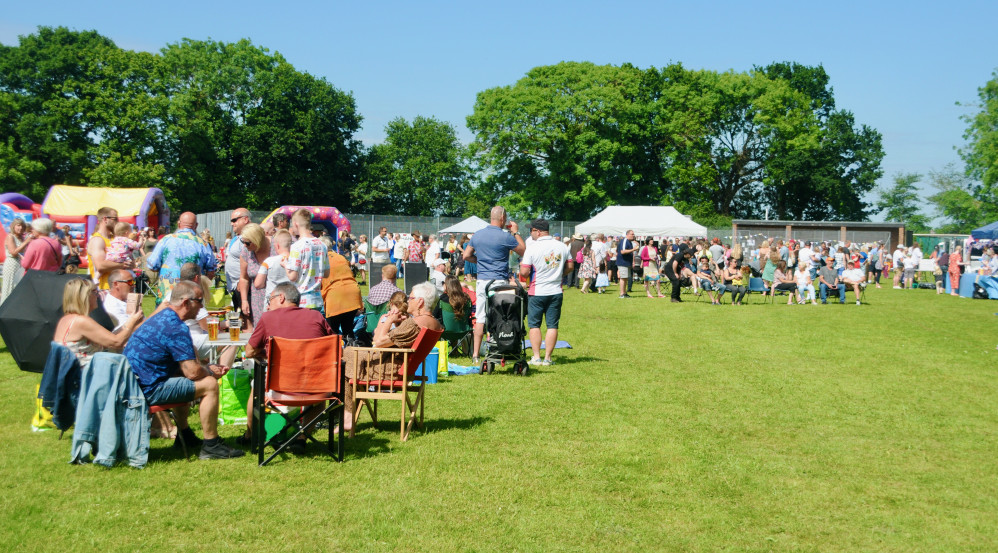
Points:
(373, 313)
(757, 285)
(457, 332)
(403, 364)
(299, 373)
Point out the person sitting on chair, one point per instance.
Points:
(783, 280)
(282, 319)
(382, 291)
(162, 357)
(705, 276)
(828, 277)
(395, 329)
(855, 279)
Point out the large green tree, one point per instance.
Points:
(981, 152)
(420, 169)
(560, 140)
(901, 202)
(570, 139)
(829, 181)
(956, 202)
(243, 123)
(70, 101)
(212, 123)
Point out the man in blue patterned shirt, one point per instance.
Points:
(183, 246)
(162, 357)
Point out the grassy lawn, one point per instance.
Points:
(667, 428)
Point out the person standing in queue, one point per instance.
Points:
(625, 259)
(489, 249)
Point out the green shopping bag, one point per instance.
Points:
(233, 395)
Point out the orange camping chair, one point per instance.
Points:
(404, 383)
(299, 373)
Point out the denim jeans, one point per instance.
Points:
(824, 293)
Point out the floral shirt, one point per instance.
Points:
(415, 252)
(310, 260)
(173, 250)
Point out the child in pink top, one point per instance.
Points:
(123, 248)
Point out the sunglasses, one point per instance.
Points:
(245, 243)
(199, 300)
(234, 219)
(128, 282)
(274, 297)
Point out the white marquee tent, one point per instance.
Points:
(471, 224)
(644, 220)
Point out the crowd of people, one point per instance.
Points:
(289, 279)
(795, 268)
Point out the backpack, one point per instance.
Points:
(943, 261)
(979, 292)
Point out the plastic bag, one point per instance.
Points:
(233, 394)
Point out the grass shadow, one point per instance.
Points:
(570, 360)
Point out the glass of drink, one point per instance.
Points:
(234, 326)
(213, 328)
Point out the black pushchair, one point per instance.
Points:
(506, 309)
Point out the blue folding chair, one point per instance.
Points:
(757, 285)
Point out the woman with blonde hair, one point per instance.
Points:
(81, 334)
(257, 248)
(14, 245)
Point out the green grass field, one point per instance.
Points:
(667, 428)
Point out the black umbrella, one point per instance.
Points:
(29, 315)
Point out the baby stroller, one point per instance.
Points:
(506, 309)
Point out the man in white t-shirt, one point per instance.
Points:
(120, 284)
(432, 252)
(379, 246)
(308, 262)
(897, 259)
(544, 262)
(599, 248)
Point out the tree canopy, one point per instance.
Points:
(420, 170)
(901, 202)
(569, 139)
(206, 121)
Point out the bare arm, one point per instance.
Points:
(569, 267)
(469, 254)
(98, 256)
(89, 329)
(243, 285)
(261, 280)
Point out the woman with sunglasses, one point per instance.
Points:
(257, 247)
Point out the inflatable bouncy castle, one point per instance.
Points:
(328, 217)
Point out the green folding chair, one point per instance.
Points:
(373, 313)
(457, 331)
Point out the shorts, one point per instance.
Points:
(623, 271)
(909, 274)
(178, 389)
(481, 300)
(548, 307)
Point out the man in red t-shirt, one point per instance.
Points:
(283, 319)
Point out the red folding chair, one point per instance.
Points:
(168, 409)
(400, 387)
(299, 373)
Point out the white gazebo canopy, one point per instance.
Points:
(644, 220)
(471, 224)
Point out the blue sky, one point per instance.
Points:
(900, 67)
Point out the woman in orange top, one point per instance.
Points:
(340, 294)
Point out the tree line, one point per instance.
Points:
(214, 124)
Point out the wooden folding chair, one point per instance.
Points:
(398, 384)
(299, 373)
